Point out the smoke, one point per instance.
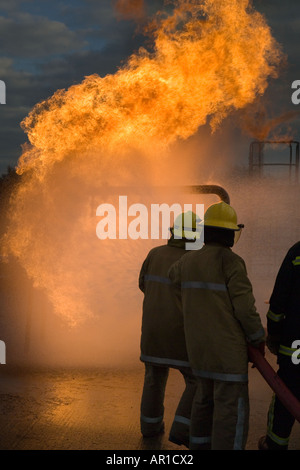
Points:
(125, 134)
(259, 123)
(130, 9)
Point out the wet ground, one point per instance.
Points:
(97, 409)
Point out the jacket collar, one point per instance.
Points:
(178, 242)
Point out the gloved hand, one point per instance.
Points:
(273, 343)
(261, 347)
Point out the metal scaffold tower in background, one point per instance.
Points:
(258, 160)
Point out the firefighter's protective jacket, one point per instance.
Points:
(219, 312)
(283, 317)
(162, 339)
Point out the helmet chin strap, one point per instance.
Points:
(238, 233)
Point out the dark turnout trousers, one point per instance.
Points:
(280, 421)
(152, 403)
(220, 415)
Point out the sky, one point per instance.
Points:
(48, 45)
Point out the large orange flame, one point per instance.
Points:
(209, 57)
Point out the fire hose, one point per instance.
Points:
(289, 401)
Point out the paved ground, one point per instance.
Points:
(91, 409)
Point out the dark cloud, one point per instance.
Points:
(26, 35)
(11, 5)
(51, 48)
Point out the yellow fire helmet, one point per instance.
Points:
(221, 215)
(186, 225)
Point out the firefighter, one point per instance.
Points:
(283, 332)
(162, 339)
(220, 317)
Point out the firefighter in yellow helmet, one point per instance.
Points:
(220, 317)
(162, 339)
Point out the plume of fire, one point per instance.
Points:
(208, 58)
